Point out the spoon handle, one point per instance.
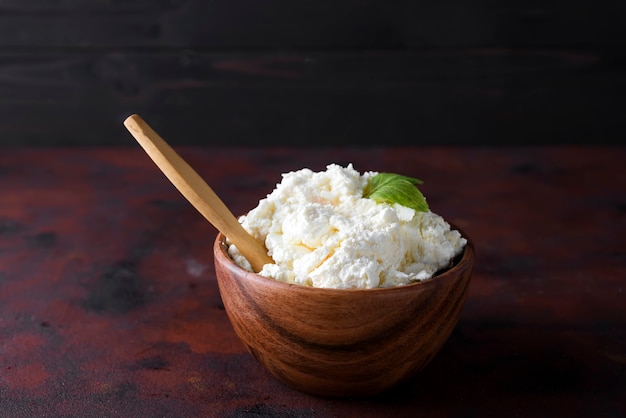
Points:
(196, 191)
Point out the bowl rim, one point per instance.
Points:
(464, 261)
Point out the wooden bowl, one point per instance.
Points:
(338, 342)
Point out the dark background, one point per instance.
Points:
(279, 72)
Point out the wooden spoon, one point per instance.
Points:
(196, 191)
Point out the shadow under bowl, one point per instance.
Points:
(342, 342)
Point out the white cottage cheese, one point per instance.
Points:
(321, 232)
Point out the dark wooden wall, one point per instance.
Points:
(350, 72)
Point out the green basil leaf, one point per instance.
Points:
(395, 188)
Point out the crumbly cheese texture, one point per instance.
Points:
(321, 232)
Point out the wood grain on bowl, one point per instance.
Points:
(338, 342)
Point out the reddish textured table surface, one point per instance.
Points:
(109, 304)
